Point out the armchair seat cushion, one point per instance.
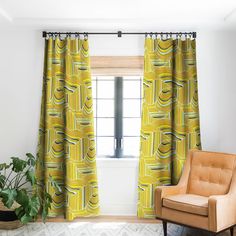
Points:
(190, 203)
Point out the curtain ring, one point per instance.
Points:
(146, 35)
(161, 35)
(85, 36)
(186, 35)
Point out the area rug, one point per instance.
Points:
(100, 229)
(87, 229)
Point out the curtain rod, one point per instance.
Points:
(120, 33)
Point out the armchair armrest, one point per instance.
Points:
(180, 188)
(221, 211)
(222, 208)
(163, 191)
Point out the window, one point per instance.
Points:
(117, 112)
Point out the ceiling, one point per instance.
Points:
(120, 14)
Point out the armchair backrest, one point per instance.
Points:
(210, 173)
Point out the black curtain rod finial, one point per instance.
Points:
(44, 33)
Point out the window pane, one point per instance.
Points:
(131, 108)
(131, 89)
(94, 107)
(95, 126)
(105, 88)
(105, 146)
(94, 88)
(105, 126)
(131, 146)
(131, 126)
(105, 108)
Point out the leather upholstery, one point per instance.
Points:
(205, 196)
(210, 174)
(182, 217)
(190, 203)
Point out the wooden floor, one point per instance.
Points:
(128, 219)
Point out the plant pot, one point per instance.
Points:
(8, 218)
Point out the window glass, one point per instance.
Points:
(105, 146)
(104, 115)
(131, 88)
(131, 108)
(105, 126)
(131, 146)
(105, 108)
(131, 126)
(105, 88)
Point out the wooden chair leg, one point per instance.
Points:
(164, 224)
(232, 231)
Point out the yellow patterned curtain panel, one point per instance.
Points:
(170, 116)
(66, 148)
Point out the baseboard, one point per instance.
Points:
(107, 218)
(119, 210)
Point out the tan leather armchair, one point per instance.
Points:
(205, 196)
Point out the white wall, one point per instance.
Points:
(21, 65)
(217, 90)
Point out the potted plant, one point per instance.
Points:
(20, 199)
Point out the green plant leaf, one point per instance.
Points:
(46, 205)
(25, 218)
(22, 197)
(19, 212)
(55, 184)
(30, 176)
(4, 166)
(2, 181)
(34, 206)
(8, 197)
(48, 197)
(18, 164)
(29, 208)
(44, 215)
(31, 159)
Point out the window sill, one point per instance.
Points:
(106, 162)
